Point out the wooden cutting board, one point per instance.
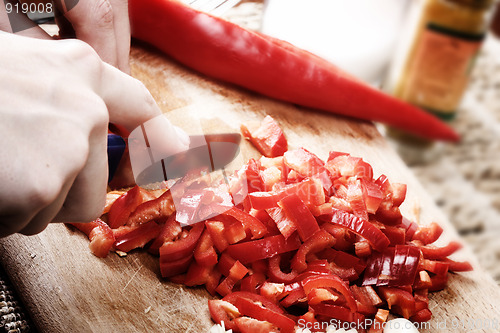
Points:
(66, 289)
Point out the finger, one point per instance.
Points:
(40, 221)
(86, 198)
(92, 21)
(121, 25)
(128, 101)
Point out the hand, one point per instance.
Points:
(103, 24)
(53, 130)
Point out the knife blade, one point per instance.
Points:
(210, 151)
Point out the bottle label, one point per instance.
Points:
(438, 75)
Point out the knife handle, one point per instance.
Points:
(116, 148)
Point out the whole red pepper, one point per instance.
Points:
(228, 52)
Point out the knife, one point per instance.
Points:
(210, 151)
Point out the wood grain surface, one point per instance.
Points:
(66, 289)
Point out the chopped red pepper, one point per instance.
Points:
(204, 253)
(303, 219)
(257, 228)
(398, 300)
(330, 281)
(171, 230)
(432, 252)
(428, 234)
(308, 190)
(100, 235)
(259, 312)
(223, 311)
(121, 209)
(250, 325)
(268, 138)
(276, 274)
(316, 243)
(138, 237)
(216, 231)
(152, 209)
(178, 249)
(176, 267)
(285, 225)
(361, 227)
(263, 248)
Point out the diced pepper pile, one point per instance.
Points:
(309, 241)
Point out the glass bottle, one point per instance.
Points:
(437, 54)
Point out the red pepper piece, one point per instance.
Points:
(270, 66)
(459, 266)
(257, 228)
(236, 273)
(152, 210)
(285, 225)
(268, 138)
(333, 311)
(272, 291)
(398, 193)
(356, 200)
(138, 237)
(259, 312)
(295, 296)
(124, 206)
(319, 295)
(428, 234)
(264, 217)
(342, 164)
(100, 235)
(298, 212)
(410, 227)
(173, 268)
(234, 232)
(361, 227)
(372, 195)
(367, 299)
(422, 316)
(438, 282)
(316, 243)
(232, 297)
(330, 281)
(309, 191)
(304, 162)
(216, 231)
(344, 239)
(171, 230)
(178, 249)
(436, 267)
(263, 248)
(379, 320)
(396, 235)
(223, 311)
(197, 275)
(204, 253)
(276, 274)
(213, 281)
(252, 282)
(398, 300)
(251, 325)
(225, 263)
(439, 253)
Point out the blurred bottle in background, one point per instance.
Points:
(437, 52)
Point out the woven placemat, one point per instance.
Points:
(13, 318)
